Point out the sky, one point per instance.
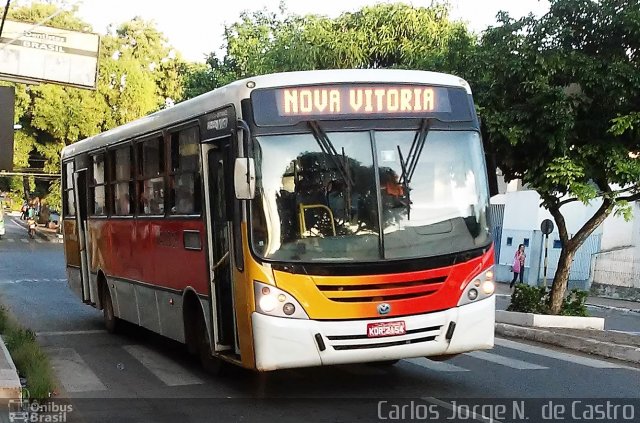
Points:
(195, 27)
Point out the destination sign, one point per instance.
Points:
(300, 101)
(294, 104)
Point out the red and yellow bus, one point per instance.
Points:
(291, 220)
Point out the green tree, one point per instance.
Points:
(203, 77)
(550, 90)
(138, 73)
(381, 36)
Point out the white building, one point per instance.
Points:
(521, 219)
(616, 267)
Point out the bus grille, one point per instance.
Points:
(374, 292)
(359, 341)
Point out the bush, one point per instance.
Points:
(574, 304)
(536, 299)
(530, 299)
(31, 362)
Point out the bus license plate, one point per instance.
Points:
(376, 330)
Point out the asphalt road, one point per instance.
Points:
(136, 376)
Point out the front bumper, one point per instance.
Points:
(282, 343)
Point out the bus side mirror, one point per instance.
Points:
(244, 178)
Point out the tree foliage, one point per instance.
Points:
(138, 73)
(556, 95)
(381, 36)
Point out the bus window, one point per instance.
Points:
(151, 183)
(184, 180)
(97, 186)
(69, 202)
(122, 182)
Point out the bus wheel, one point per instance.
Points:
(210, 363)
(110, 319)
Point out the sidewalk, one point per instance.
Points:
(605, 343)
(502, 289)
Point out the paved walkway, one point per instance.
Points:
(607, 343)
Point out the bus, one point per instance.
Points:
(291, 220)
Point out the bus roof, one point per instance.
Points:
(232, 93)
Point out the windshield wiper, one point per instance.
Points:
(329, 150)
(409, 165)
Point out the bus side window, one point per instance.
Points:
(151, 178)
(184, 172)
(69, 203)
(97, 187)
(122, 181)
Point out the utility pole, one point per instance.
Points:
(4, 16)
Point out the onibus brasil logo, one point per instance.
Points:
(24, 410)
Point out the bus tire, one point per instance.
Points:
(110, 319)
(211, 364)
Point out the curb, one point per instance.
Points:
(591, 346)
(10, 386)
(607, 307)
(602, 306)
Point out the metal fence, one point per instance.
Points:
(507, 241)
(495, 217)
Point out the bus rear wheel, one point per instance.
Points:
(110, 319)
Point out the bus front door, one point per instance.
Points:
(81, 198)
(216, 165)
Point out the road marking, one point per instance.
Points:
(473, 415)
(24, 240)
(626, 332)
(71, 332)
(571, 358)
(13, 220)
(438, 366)
(11, 240)
(32, 281)
(165, 369)
(504, 361)
(39, 240)
(72, 371)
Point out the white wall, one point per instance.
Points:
(617, 233)
(523, 212)
(617, 267)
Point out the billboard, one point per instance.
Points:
(7, 100)
(30, 53)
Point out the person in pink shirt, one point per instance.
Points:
(518, 265)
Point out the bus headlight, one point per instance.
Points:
(268, 303)
(276, 302)
(480, 287)
(488, 287)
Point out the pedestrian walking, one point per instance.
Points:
(518, 265)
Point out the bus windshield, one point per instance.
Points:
(346, 196)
